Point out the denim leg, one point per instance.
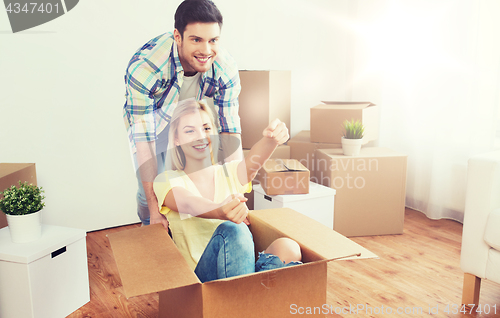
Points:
(142, 204)
(229, 253)
(269, 261)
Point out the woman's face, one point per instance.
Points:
(193, 135)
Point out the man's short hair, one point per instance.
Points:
(192, 11)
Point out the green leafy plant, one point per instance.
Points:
(25, 199)
(353, 129)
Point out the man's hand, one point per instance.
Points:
(157, 217)
(235, 209)
(154, 213)
(277, 132)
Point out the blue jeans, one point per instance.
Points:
(142, 203)
(230, 252)
(161, 159)
(270, 261)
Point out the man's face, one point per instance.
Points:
(198, 47)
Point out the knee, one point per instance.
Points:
(236, 233)
(286, 249)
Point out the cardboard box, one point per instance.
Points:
(371, 189)
(327, 120)
(45, 278)
(302, 149)
(281, 152)
(264, 96)
(147, 268)
(11, 174)
(318, 204)
(284, 176)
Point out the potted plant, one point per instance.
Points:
(353, 137)
(23, 206)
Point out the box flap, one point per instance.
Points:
(283, 165)
(161, 267)
(317, 241)
(349, 105)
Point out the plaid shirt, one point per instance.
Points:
(153, 79)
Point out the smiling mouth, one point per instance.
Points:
(201, 147)
(203, 59)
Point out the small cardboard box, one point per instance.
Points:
(11, 174)
(327, 120)
(264, 96)
(284, 176)
(317, 204)
(45, 278)
(147, 268)
(281, 152)
(302, 149)
(371, 189)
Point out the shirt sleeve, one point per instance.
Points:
(141, 83)
(226, 97)
(164, 183)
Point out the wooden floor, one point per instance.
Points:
(417, 275)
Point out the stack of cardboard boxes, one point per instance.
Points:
(370, 188)
(370, 197)
(264, 96)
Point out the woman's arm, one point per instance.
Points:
(274, 135)
(232, 209)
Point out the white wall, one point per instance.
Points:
(62, 91)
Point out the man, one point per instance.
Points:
(169, 68)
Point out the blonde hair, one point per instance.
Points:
(183, 108)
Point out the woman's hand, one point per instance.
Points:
(277, 131)
(235, 209)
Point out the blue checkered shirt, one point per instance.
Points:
(153, 79)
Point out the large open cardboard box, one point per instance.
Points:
(148, 261)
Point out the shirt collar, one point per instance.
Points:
(177, 61)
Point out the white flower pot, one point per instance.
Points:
(351, 147)
(25, 228)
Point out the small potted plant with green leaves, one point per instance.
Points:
(23, 205)
(353, 137)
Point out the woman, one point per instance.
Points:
(203, 201)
